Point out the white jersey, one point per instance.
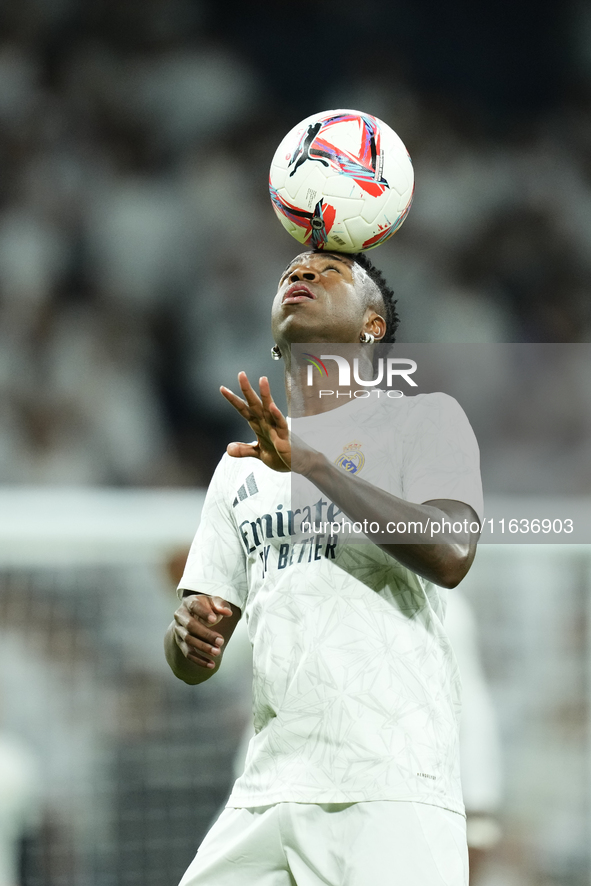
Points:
(356, 690)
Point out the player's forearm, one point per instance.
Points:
(444, 563)
(181, 667)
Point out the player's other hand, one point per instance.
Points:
(194, 621)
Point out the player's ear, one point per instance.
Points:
(375, 325)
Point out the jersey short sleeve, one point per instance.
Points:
(216, 563)
(441, 454)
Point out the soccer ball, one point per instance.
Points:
(342, 181)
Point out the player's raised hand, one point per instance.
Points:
(267, 421)
(193, 623)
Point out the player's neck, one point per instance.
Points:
(314, 394)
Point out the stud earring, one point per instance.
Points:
(275, 352)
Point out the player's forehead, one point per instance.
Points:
(313, 257)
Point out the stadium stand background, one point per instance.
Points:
(138, 248)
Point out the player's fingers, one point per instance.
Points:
(272, 412)
(280, 441)
(265, 390)
(190, 653)
(197, 645)
(267, 401)
(243, 450)
(196, 641)
(199, 606)
(221, 605)
(278, 417)
(250, 395)
(196, 628)
(197, 659)
(236, 402)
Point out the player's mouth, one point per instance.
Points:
(296, 293)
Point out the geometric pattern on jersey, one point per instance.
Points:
(356, 693)
(249, 487)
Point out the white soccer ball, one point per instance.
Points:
(342, 181)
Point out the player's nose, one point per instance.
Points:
(303, 273)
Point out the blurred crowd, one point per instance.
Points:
(111, 769)
(138, 249)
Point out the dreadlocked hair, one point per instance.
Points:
(391, 314)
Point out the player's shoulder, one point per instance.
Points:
(436, 403)
(407, 411)
(229, 468)
(240, 476)
(435, 414)
(435, 399)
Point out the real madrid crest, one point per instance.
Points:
(351, 458)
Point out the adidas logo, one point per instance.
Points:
(249, 487)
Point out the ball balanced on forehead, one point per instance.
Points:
(341, 181)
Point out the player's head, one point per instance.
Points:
(333, 297)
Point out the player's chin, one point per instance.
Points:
(296, 327)
(292, 319)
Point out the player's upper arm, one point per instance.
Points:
(216, 565)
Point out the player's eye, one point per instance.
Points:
(331, 268)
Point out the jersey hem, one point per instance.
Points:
(272, 800)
